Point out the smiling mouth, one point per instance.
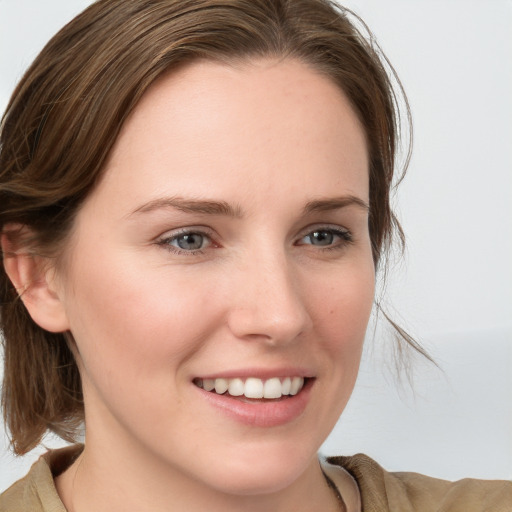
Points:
(252, 387)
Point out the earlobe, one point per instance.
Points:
(33, 278)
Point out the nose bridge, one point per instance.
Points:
(270, 304)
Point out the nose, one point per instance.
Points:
(270, 303)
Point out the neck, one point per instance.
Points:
(99, 480)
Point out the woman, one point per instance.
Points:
(195, 199)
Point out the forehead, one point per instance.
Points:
(241, 127)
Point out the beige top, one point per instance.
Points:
(380, 490)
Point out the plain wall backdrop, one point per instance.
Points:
(454, 287)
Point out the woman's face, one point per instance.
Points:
(227, 242)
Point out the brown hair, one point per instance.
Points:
(68, 109)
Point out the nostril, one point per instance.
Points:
(269, 324)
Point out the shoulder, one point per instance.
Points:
(411, 492)
(36, 492)
(31, 492)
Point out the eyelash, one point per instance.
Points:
(344, 235)
(166, 241)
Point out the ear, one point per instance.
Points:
(33, 276)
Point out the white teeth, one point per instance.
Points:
(272, 388)
(287, 383)
(221, 386)
(253, 387)
(209, 384)
(236, 387)
(296, 386)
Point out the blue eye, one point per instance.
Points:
(321, 238)
(189, 241)
(326, 238)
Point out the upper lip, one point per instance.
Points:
(259, 373)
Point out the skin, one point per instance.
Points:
(266, 138)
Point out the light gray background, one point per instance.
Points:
(454, 289)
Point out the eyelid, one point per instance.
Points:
(342, 239)
(344, 234)
(172, 234)
(185, 230)
(335, 228)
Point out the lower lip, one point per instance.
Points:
(264, 413)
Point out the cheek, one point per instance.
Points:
(127, 323)
(343, 307)
(343, 310)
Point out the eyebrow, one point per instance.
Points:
(204, 206)
(335, 203)
(212, 207)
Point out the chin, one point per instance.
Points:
(260, 478)
(252, 470)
